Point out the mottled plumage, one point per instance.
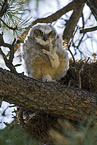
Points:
(44, 55)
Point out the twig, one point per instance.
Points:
(9, 61)
(2, 43)
(77, 47)
(88, 29)
(19, 117)
(80, 73)
(71, 54)
(3, 55)
(68, 48)
(71, 43)
(12, 28)
(83, 21)
(12, 51)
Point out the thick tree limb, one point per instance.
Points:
(93, 6)
(46, 97)
(71, 23)
(71, 6)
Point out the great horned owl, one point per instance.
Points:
(44, 55)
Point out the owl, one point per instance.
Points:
(44, 56)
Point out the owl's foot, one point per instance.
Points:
(54, 58)
(47, 78)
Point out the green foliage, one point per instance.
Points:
(15, 136)
(69, 135)
(85, 135)
(17, 15)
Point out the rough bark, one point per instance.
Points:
(47, 97)
(71, 23)
(71, 6)
(93, 6)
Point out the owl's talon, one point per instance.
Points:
(45, 52)
(54, 59)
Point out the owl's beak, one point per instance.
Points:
(45, 37)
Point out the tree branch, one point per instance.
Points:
(88, 29)
(93, 6)
(4, 8)
(71, 6)
(71, 23)
(8, 61)
(47, 97)
(12, 28)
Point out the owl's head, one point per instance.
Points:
(42, 33)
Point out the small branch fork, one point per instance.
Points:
(12, 28)
(9, 61)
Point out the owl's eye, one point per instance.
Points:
(38, 32)
(52, 33)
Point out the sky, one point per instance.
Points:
(8, 116)
(44, 9)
